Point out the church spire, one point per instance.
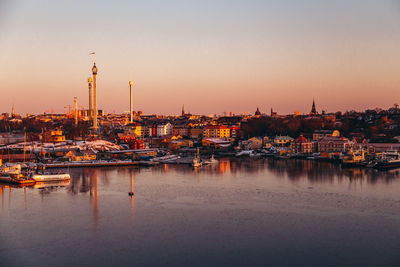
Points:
(183, 110)
(313, 109)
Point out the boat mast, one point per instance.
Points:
(24, 144)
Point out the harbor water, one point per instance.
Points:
(235, 213)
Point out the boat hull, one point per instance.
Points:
(50, 177)
(7, 179)
(386, 166)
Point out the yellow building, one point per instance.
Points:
(282, 140)
(137, 130)
(216, 131)
(80, 156)
(54, 136)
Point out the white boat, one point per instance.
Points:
(50, 177)
(167, 159)
(389, 159)
(244, 153)
(212, 160)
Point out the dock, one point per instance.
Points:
(97, 164)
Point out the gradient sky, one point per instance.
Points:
(213, 56)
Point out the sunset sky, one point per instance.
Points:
(213, 56)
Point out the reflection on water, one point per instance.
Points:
(314, 171)
(236, 212)
(85, 181)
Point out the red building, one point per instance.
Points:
(302, 145)
(132, 141)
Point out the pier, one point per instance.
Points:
(99, 164)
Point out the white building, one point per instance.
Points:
(164, 129)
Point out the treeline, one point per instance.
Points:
(374, 125)
(268, 126)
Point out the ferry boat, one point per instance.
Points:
(388, 160)
(354, 158)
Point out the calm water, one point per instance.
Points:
(249, 213)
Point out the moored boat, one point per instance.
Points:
(388, 160)
(50, 177)
(12, 174)
(354, 158)
(212, 160)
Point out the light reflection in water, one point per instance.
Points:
(86, 181)
(173, 210)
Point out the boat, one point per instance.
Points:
(196, 162)
(212, 160)
(40, 175)
(12, 174)
(388, 160)
(166, 159)
(244, 153)
(354, 158)
(371, 164)
(50, 177)
(10, 169)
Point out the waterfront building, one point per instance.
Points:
(334, 144)
(252, 143)
(302, 145)
(176, 142)
(282, 140)
(83, 155)
(267, 142)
